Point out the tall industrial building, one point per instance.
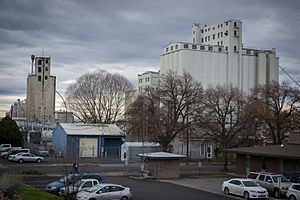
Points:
(216, 56)
(41, 87)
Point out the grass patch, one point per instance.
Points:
(29, 193)
(32, 172)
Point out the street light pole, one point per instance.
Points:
(187, 135)
(64, 104)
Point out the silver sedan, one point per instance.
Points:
(105, 191)
(26, 157)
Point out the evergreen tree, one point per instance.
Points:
(9, 132)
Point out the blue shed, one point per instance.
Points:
(88, 140)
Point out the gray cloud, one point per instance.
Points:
(127, 37)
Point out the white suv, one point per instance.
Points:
(276, 184)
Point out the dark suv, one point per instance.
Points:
(70, 179)
(293, 177)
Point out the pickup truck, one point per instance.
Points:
(80, 185)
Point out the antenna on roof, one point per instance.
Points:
(32, 60)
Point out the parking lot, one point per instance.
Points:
(209, 181)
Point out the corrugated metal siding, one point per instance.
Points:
(59, 140)
(73, 146)
(113, 146)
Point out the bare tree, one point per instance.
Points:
(277, 108)
(137, 117)
(221, 119)
(98, 97)
(166, 109)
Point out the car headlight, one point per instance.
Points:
(253, 191)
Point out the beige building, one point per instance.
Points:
(64, 117)
(41, 88)
(148, 79)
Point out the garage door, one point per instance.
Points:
(88, 147)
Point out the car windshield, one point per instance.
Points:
(93, 189)
(249, 184)
(66, 178)
(276, 179)
(79, 183)
(63, 179)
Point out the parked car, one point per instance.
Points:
(70, 179)
(276, 184)
(293, 177)
(293, 192)
(13, 152)
(253, 175)
(105, 191)
(5, 147)
(5, 154)
(27, 157)
(244, 187)
(80, 185)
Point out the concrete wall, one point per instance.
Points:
(221, 60)
(41, 87)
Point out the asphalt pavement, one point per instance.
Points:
(209, 179)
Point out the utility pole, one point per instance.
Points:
(187, 135)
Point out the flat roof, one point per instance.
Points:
(291, 151)
(161, 155)
(92, 129)
(140, 144)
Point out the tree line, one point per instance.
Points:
(181, 107)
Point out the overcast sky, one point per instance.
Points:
(127, 36)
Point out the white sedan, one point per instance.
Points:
(26, 157)
(244, 187)
(294, 192)
(105, 191)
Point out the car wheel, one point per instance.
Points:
(226, 191)
(21, 161)
(246, 195)
(276, 193)
(39, 161)
(292, 197)
(124, 198)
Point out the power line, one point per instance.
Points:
(289, 76)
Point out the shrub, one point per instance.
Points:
(9, 186)
(32, 172)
